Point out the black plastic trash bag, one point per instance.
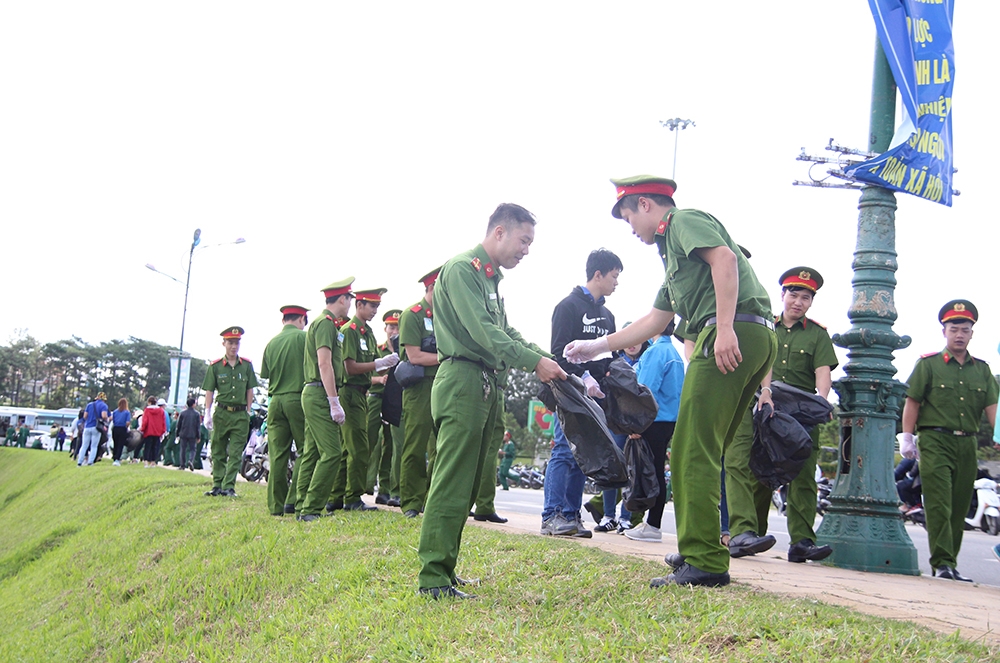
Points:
(392, 400)
(629, 406)
(781, 446)
(586, 429)
(805, 407)
(642, 490)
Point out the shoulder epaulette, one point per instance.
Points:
(982, 360)
(930, 354)
(329, 317)
(477, 263)
(416, 308)
(818, 324)
(218, 360)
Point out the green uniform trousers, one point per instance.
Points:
(947, 471)
(419, 444)
(349, 485)
(229, 438)
(465, 417)
(801, 506)
(749, 500)
(397, 458)
(712, 406)
(505, 475)
(488, 476)
(380, 441)
(198, 465)
(321, 454)
(285, 422)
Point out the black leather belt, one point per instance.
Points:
(948, 431)
(744, 317)
(233, 408)
(476, 362)
(314, 384)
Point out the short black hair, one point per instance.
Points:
(631, 201)
(190, 402)
(509, 215)
(603, 261)
(796, 288)
(333, 299)
(290, 317)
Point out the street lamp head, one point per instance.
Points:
(197, 235)
(239, 240)
(148, 266)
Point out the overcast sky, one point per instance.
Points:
(375, 139)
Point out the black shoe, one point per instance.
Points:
(445, 592)
(472, 514)
(228, 492)
(464, 582)
(806, 550)
(490, 518)
(393, 501)
(334, 506)
(948, 573)
(748, 543)
(689, 575)
(382, 498)
(592, 510)
(214, 492)
(308, 518)
(359, 506)
(411, 513)
(289, 508)
(674, 560)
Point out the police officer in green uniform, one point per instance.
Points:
(712, 285)
(323, 372)
(509, 451)
(379, 432)
(474, 343)
(947, 395)
(418, 346)
(282, 367)
(234, 379)
(805, 360)
(361, 361)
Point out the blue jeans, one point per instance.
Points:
(563, 480)
(611, 495)
(88, 448)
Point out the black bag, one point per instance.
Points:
(134, 439)
(392, 399)
(781, 446)
(586, 430)
(642, 490)
(630, 407)
(408, 374)
(805, 407)
(429, 344)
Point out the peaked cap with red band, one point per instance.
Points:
(391, 316)
(430, 277)
(638, 185)
(958, 310)
(339, 287)
(232, 332)
(374, 295)
(294, 309)
(801, 277)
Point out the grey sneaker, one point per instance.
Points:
(581, 531)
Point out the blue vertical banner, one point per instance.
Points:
(916, 38)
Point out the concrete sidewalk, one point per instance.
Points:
(942, 605)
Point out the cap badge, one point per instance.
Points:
(959, 307)
(805, 275)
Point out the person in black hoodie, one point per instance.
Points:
(581, 315)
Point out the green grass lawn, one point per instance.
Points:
(127, 564)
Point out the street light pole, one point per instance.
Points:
(676, 124)
(187, 288)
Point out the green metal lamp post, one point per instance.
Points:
(863, 523)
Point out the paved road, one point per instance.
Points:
(976, 559)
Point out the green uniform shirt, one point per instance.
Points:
(415, 324)
(282, 364)
(470, 319)
(383, 351)
(231, 382)
(509, 450)
(688, 288)
(802, 348)
(360, 345)
(952, 395)
(323, 333)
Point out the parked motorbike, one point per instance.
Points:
(779, 498)
(987, 516)
(529, 477)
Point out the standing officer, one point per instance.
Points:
(474, 343)
(282, 366)
(323, 372)
(509, 452)
(712, 285)
(380, 460)
(361, 361)
(948, 393)
(418, 346)
(234, 379)
(805, 360)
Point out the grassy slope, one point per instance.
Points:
(126, 564)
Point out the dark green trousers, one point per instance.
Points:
(349, 485)
(801, 506)
(316, 467)
(285, 422)
(397, 458)
(416, 464)
(488, 475)
(947, 471)
(380, 442)
(466, 424)
(229, 438)
(712, 406)
(749, 500)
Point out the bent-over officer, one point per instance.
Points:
(947, 395)
(282, 367)
(380, 432)
(474, 343)
(323, 372)
(234, 379)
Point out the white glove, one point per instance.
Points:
(593, 387)
(578, 352)
(336, 412)
(382, 363)
(208, 420)
(908, 446)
